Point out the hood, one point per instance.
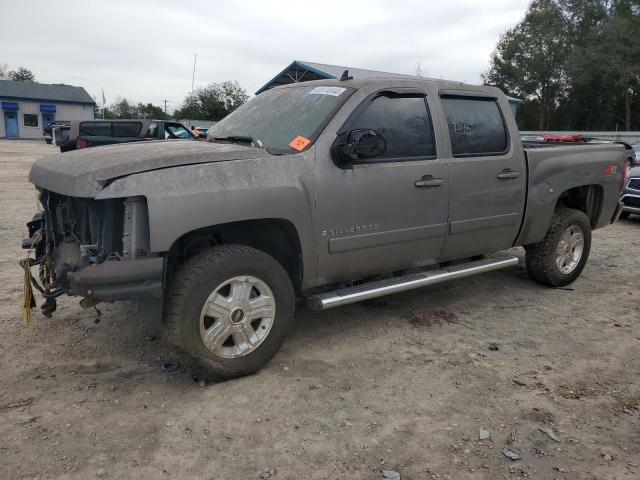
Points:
(83, 173)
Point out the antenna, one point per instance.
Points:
(345, 76)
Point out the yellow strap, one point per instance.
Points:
(28, 300)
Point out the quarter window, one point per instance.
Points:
(95, 129)
(476, 126)
(126, 129)
(405, 123)
(30, 120)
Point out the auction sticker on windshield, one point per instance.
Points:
(299, 143)
(333, 91)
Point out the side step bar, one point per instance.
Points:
(379, 288)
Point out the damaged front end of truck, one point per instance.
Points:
(95, 249)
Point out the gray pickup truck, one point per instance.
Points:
(333, 191)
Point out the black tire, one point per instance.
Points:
(541, 257)
(625, 215)
(188, 291)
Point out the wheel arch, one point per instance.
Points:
(586, 198)
(276, 237)
(541, 207)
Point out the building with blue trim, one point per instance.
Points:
(299, 71)
(26, 107)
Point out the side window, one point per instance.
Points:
(476, 126)
(175, 130)
(126, 129)
(405, 123)
(152, 131)
(95, 129)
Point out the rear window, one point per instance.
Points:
(476, 126)
(95, 129)
(126, 129)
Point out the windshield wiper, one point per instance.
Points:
(240, 139)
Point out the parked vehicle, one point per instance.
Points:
(202, 131)
(80, 134)
(328, 190)
(631, 194)
(47, 130)
(636, 153)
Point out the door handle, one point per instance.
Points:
(428, 181)
(508, 174)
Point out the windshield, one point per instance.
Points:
(283, 120)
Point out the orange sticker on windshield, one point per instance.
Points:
(299, 143)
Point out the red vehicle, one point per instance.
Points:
(565, 138)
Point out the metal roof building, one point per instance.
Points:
(299, 71)
(27, 106)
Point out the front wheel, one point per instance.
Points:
(559, 259)
(228, 309)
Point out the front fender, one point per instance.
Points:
(187, 198)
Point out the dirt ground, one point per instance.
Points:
(403, 383)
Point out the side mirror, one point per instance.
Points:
(360, 144)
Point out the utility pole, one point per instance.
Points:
(193, 76)
(165, 107)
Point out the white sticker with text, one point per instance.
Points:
(333, 91)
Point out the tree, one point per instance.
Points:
(22, 75)
(4, 71)
(529, 59)
(577, 69)
(123, 108)
(150, 111)
(419, 71)
(213, 102)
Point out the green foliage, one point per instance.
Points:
(575, 63)
(20, 75)
(213, 102)
(123, 109)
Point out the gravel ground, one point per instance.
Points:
(403, 383)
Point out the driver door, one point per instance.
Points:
(387, 210)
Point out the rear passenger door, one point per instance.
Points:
(487, 175)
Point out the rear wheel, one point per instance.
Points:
(228, 311)
(559, 259)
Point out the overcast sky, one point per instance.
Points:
(143, 50)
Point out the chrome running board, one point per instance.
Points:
(388, 286)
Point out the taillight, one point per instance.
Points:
(625, 174)
(80, 143)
